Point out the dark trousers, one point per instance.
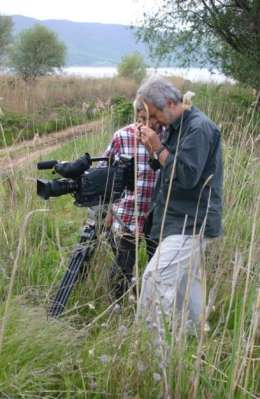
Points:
(122, 268)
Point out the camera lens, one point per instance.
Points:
(55, 188)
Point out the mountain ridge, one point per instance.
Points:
(89, 43)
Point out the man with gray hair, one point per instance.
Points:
(186, 206)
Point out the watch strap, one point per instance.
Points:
(157, 153)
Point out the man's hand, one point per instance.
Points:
(149, 138)
(152, 142)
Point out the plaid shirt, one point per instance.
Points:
(123, 142)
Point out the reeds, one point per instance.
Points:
(49, 92)
(88, 354)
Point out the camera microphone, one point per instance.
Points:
(46, 164)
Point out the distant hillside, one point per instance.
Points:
(90, 44)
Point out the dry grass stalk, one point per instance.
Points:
(15, 267)
(48, 92)
(236, 270)
(238, 366)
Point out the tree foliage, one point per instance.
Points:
(5, 34)
(132, 66)
(225, 33)
(37, 52)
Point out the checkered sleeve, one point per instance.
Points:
(114, 147)
(125, 207)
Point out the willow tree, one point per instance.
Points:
(222, 33)
(37, 52)
(132, 66)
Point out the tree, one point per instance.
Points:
(5, 35)
(37, 52)
(132, 66)
(225, 33)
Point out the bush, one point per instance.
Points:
(132, 66)
(37, 52)
(122, 110)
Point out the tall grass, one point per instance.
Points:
(52, 104)
(97, 350)
(49, 92)
(55, 103)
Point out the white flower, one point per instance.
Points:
(122, 330)
(93, 385)
(207, 327)
(140, 366)
(187, 98)
(104, 359)
(156, 377)
(117, 308)
(91, 352)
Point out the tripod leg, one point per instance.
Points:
(81, 255)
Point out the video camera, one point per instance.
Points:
(89, 186)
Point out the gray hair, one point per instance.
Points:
(158, 91)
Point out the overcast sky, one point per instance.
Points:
(106, 11)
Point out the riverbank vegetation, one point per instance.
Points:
(96, 350)
(50, 104)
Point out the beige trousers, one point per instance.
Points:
(171, 282)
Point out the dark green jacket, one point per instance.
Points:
(193, 205)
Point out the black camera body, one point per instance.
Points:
(89, 186)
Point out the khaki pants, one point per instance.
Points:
(171, 279)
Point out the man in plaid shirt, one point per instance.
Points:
(122, 219)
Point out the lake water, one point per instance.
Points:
(193, 74)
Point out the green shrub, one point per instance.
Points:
(122, 110)
(36, 52)
(132, 66)
(18, 127)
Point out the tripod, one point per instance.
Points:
(78, 267)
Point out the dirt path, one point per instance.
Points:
(18, 155)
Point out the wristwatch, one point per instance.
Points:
(157, 153)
